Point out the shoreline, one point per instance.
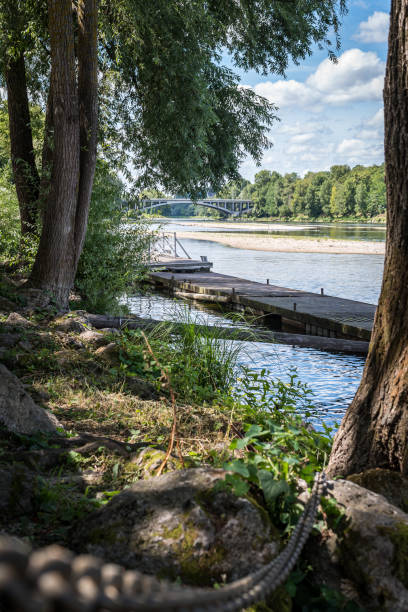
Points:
(287, 244)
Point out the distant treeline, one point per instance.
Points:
(342, 192)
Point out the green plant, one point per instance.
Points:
(278, 446)
(114, 252)
(201, 365)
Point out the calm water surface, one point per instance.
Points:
(333, 378)
(344, 231)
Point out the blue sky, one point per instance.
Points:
(330, 113)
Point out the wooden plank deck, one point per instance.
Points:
(316, 314)
(179, 264)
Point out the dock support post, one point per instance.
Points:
(267, 281)
(322, 291)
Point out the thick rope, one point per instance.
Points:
(53, 579)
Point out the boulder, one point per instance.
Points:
(69, 323)
(16, 320)
(364, 553)
(109, 353)
(18, 412)
(178, 526)
(150, 459)
(393, 485)
(93, 337)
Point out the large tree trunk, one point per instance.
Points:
(54, 267)
(21, 143)
(47, 155)
(374, 431)
(88, 114)
(71, 125)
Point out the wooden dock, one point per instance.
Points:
(179, 264)
(309, 313)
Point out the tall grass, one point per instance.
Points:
(200, 363)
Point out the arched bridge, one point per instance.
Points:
(234, 208)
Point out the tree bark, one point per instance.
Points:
(47, 155)
(88, 113)
(21, 143)
(54, 267)
(374, 431)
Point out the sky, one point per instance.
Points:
(329, 113)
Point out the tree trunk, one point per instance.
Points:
(374, 431)
(47, 155)
(88, 114)
(21, 143)
(54, 267)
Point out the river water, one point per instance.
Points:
(333, 378)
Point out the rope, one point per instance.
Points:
(53, 579)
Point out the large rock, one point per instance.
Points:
(17, 320)
(393, 485)
(109, 354)
(18, 412)
(176, 525)
(70, 323)
(365, 552)
(93, 337)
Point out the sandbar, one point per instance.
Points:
(285, 244)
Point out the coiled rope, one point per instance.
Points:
(53, 579)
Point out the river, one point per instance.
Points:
(333, 378)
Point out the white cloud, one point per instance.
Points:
(357, 151)
(375, 29)
(356, 77)
(306, 137)
(287, 93)
(377, 120)
(369, 134)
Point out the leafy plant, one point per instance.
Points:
(278, 446)
(114, 252)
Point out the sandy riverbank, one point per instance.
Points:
(287, 244)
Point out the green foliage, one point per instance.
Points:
(278, 446)
(168, 105)
(114, 253)
(201, 366)
(357, 193)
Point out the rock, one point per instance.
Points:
(17, 491)
(111, 330)
(109, 353)
(93, 337)
(365, 551)
(177, 525)
(16, 320)
(69, 323)
(18, 412)
(141, 388)
(150, 459)
(9, 340)
(392, 485)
